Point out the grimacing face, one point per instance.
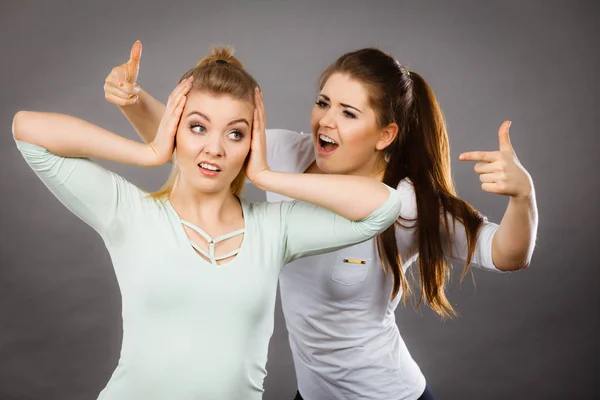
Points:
(346, 136)
(213, 140)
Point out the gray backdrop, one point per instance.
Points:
(531, 334)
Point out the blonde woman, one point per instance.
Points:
(197, 264)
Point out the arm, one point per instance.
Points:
(502, 173)
(513, 244)
(68, 136)
(91, 192)
(54, 146)
(310, 229)
(352, 197)
(505, 247)
(144, 115)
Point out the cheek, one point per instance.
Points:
(238, 152)
(316, 115)
(187, 145)
(354, 133)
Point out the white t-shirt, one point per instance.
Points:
(339, 315)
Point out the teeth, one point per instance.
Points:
(208, 166)
(327, 139)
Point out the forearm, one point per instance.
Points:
(352, 197)
(68, 136)
(514, 241)
(144, 115)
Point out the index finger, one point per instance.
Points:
(261, 108)
(486, 156)
(136, 54)
(180, 90)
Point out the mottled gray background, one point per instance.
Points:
(527, 335)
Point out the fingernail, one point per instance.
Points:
(509, 123)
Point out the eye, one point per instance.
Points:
(235, 135)
(198, 128)
(321, 104)
(349, 114)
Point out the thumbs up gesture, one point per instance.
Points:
(120, 87)
(500, 171)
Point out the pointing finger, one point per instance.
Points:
(504, 137)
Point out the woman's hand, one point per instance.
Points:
(257, 164)
(164, 143)
(500, 171)
(120, 87)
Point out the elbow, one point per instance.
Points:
(514, 265)
(19, 125)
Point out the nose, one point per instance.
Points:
(214, 145)
(328, 119)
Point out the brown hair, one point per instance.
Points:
(420, 152)
(218, 73)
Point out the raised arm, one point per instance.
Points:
(352, 197)
(58, 147)
(502, 173)
(68, 136)
(142, 110)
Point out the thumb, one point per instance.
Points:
(504, 137)
(133, 65)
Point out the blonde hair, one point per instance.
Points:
(218, 73)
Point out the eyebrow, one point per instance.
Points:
(235, 121)
(342, 104)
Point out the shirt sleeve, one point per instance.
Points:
(94, 194)
(456, 249)
(288, 151)
(311, 230)
(455, 245)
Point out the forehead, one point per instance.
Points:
(218, 106)
(341, 88)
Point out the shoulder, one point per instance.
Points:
(288, 151)
(406, 190)
(267, 210)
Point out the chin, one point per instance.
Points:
(210, 187)
(329, 166)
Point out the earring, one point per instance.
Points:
(387, 158)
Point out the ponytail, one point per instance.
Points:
(421, 153)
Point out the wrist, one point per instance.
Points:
(525, 198)
(139, 103)
(263, 180)
(147, 156)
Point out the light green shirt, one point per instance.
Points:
(192, 329)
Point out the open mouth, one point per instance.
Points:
(326, 144)
(209, 169)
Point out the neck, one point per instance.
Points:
(201, 207)
(373, 169)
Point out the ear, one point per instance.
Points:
(387, 136)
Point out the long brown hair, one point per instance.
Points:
(420, 152)
(218, 73)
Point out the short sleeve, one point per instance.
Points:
(311, 230)
(94, 194)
